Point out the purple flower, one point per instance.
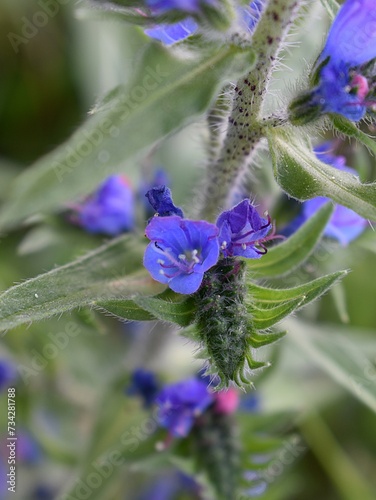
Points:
(180, 251)
(180, 404)
(242, 231)
(161, 200)
(344, 225)
(8, 373)
(110, 210)
(144, 384)
(171, 33)
(343, 84)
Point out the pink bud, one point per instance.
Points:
(361, 83)
(226, 402)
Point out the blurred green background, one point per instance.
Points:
(47, 88)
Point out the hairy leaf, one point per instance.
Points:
(113, 270)
(303, 176)
(166, 92)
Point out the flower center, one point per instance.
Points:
(171, 265)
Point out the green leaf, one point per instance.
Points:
(113, 270)
(258, 339)
(332, 7)
(168, 306)
(285, 257)
(167, 92)
(267, 306)
(351, 130)
(303, 176)
(340, 355)
(269, 316)
(263, 297)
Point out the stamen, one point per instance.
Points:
(241, 236)
(182, 256)
(224, 245)
(244, 246)
(160, 261)
(194, 256)
(161, 272)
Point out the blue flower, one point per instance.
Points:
(242, 231)
(344, 225)
(161, 200)
(8, 373)
(188, 6)
(180, 251)
(171, 33)
(181, 403)
(144, 383)
(248, 17)
(110, 210)
(340, 77)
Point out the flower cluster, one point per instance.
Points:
(181, 403)
(343, 83)
(344, 225)
(182, 250)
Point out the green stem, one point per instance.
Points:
(339, 468)
(246, 127)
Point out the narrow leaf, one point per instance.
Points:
(309, 291)
(264, 318)
(303, 176)
(285, 257)
(148, 308)
(258, 339)
(132, 118)
(113, 270)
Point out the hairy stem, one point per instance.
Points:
(245, 123)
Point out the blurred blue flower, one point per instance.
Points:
(170, 486)
(3, 484)
(8, 373)
(43, 492)
(343, 87)
(28, 450)
(144, 383)
(180, 251)
(110, 210)
(248, 17)
(188, 6)
(181, 403)
(258, 485)
(242, 231)
(251, 402)
(344, 225)
(160, 199)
